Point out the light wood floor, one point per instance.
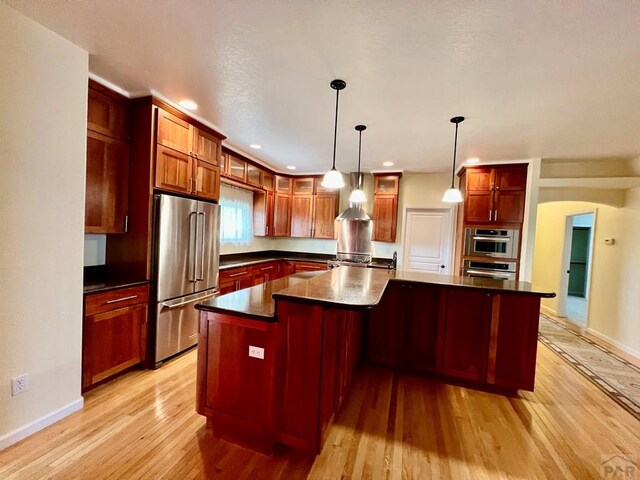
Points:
(393, 426)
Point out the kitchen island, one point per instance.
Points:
(275, 361)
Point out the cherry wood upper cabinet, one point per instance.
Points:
(107, 168)
(479, 179)
(385, 217)
(495, 195)
(206, 147)
(385, 206)
(268, 181)
(237, 168)
(301, 215)
(106, 112)
(174, 171)
(174, 132)
(303, 186)
(281, 214)
(324, 214)
(107, 189)
(283, 184)
(254, 175)
(224, 164)
(207, 180)
(510, 177)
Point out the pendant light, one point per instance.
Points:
(453, 195)
(333, 178)
(357, 196)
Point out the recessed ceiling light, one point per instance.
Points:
(473, 160)
(188, 104)
(255, 146)
(291, 167)
(387, 164)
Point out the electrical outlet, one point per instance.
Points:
(256, 352)
(19, 384)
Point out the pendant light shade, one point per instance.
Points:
(357, 195)
(333, 178)
(453, 195)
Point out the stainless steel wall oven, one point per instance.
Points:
(494, 243)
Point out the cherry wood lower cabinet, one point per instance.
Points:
(468, 334)
(235, 391)
(114, 333)
(405, 328)
(233, 279)
(309, 266)
(291, 395)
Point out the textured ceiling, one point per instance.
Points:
(534, 78)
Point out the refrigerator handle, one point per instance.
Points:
(193, 245)
(200, 277)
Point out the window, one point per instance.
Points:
(236, 215)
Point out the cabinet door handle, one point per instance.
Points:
(237, 274)
(267, 268)
(490, 215)
(122, 299)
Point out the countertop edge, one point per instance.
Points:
(235, 313)
(477, 287)
(88, 290)
(269, 259)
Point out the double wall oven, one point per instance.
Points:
(491, 253)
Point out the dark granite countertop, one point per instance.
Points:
(255, 302)
(251, 258)
(98, 279)
(97, 286)
(347, 287)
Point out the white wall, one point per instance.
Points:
(614, 297)
(626, 331)
(43, 92)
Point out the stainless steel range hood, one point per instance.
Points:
(355, 230)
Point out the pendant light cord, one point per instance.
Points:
(455, 147)
(335, 131)
(359, 152)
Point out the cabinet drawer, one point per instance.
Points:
(103, 302)
(235, 274)
(309, 266)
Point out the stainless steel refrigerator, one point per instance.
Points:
(187, 261)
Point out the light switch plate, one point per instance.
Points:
(256, 352)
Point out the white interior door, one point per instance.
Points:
(427, 240)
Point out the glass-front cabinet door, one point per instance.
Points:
(253, 175)
(237, 168)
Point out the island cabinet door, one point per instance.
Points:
(513, 342)
(466, 334)
(300, 330)
(385, 327)
(423, 311)
(237, 378)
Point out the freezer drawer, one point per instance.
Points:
(177, 324)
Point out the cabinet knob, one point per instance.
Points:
(441, 266)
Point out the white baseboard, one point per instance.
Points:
(615, 343)
(548, 311)
(30, 428)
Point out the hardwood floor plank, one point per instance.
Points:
(392, 426)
